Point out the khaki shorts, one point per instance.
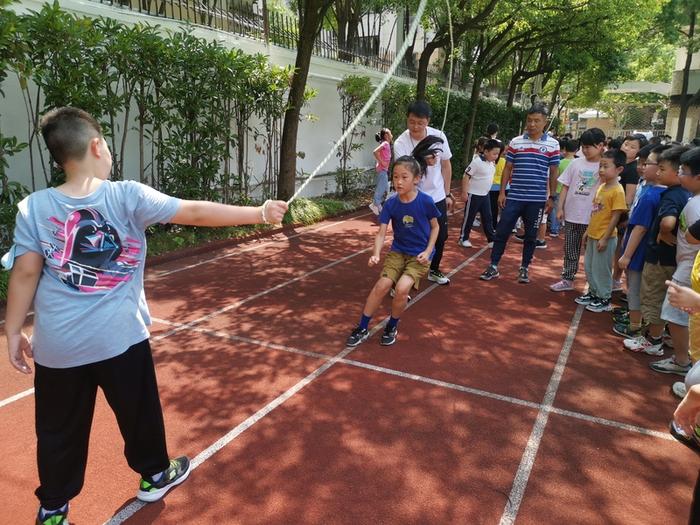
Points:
(397, 264)
(653, 293)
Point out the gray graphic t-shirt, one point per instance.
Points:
(90, 304)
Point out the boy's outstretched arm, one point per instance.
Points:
(424, 256)
(205, 213)
(20, 294)
(378, 243)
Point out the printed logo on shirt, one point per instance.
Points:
(586, 182)
(407, 221)
(89, 255)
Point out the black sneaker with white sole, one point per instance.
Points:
(523, 275)
(438, 277)
(389, 336)
(357, 336)
(175, 474)
(491, 272)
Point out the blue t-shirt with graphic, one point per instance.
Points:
(410, 222)
(643, 214)
(90, 304)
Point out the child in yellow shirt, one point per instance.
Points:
(601, 235)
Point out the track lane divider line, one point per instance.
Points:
(215, 447)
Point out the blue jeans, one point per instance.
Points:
(553, 222)
(382, 187)
(532, 213)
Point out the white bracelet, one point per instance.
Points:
(262, 212)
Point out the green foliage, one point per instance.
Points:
(354, 91)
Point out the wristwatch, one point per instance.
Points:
(450, 196)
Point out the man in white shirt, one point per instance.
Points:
(438, 177)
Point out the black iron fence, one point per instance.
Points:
(249, 19)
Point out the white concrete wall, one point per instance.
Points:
(316, 134)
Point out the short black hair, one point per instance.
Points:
(419, 108)
(617, 156)
(492, 144)
(645, 151)
(492, 128)
(691, 158)
(571, 145)
(638, 137)
(67, 132)
(615, 143)
(592, 137)
(659, 148)
(673, 155)
(538, 108)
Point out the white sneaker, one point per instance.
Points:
(465, 244)
(477, 223)
(642, 344)
(679, 389)
(375, 209)
(490, 245)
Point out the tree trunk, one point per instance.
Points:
(555, 93)
(685, 96)
(309, 27)
(423, 63)
(512, 88)
(469, 128)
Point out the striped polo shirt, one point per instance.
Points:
(531, 160)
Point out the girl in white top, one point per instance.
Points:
(476, 183)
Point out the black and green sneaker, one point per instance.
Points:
(53, 517)
(175, 474)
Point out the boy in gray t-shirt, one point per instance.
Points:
(79, 255)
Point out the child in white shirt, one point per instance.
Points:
(476, 183)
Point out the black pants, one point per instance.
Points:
(65, 403)
(442, 236)
(477, 204)
(493, 198)
(531, 213)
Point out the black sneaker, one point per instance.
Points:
(523, 276)
(53, 517)
(624, 330)
(438, 277)
(491, 272)
(389, 336)
(175, 474)
(357, 336)
(599, 305)
(586, 298)
(541, 244)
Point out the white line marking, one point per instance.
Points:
(16, 397)
(215, 447)
(533, 443)
(436, 382)
(232, 306)
(156, 275)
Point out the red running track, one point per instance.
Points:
(500, 402)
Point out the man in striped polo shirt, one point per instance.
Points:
(532, 161)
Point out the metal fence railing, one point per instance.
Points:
(247, 19)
